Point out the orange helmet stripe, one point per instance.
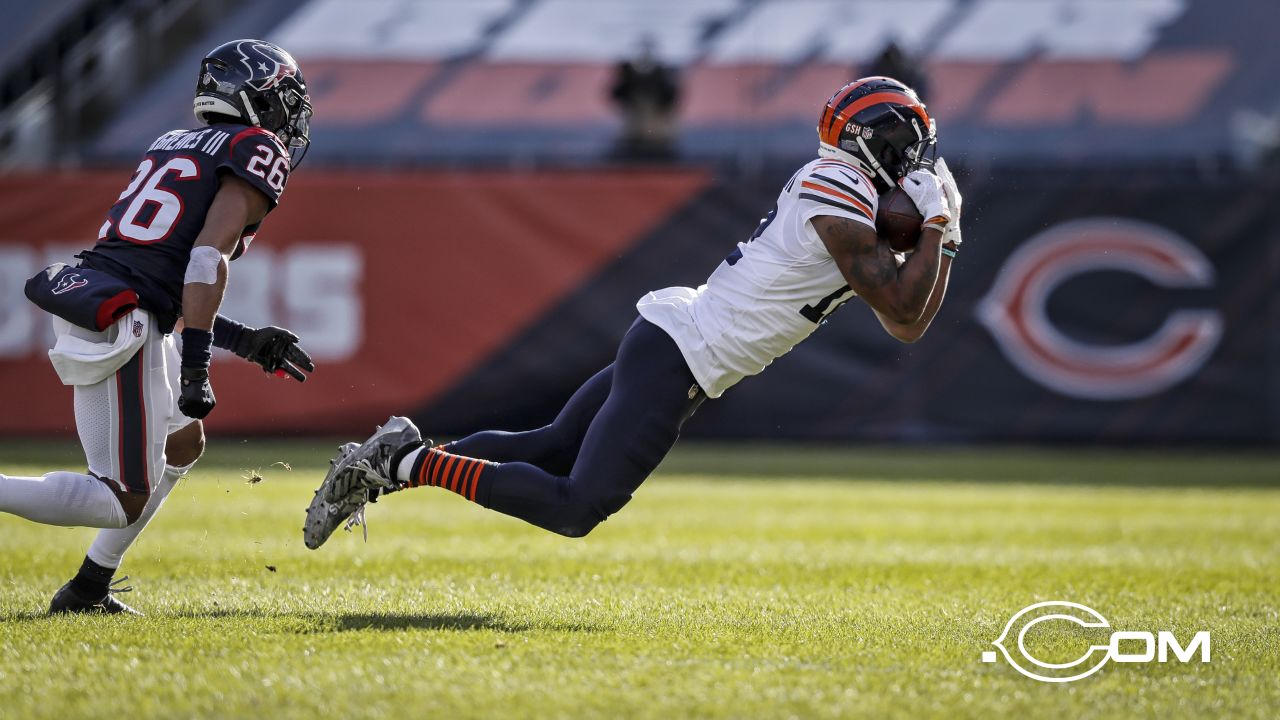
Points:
(831, 134)
(825, 123)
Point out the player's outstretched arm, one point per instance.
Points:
(899, 294)
(275, 349)
(236, 206)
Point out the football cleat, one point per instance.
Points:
(325, 515)
(69, 601)
(369, 466)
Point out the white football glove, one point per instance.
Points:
(954, 202)
(927, 193)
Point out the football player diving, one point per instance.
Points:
(815, 250)
(194, 204)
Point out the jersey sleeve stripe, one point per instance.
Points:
(863, 209)
(252, 131)
(835, 204)
(837, 164)
(852, 191)
(854, 174)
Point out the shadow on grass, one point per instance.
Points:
(428, 621)
(25, 616)
(319, 622)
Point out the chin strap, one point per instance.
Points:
(248, 107)
(875, 164)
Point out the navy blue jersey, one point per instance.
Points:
(150, 230)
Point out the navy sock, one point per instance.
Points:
(93, 579)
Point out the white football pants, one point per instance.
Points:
(123, 423)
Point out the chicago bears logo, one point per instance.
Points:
(69, 282)
(267, 64)
(1015, 310)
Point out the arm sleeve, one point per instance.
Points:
(257, 157)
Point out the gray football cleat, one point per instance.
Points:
(357, 476)
(369, 466)
(323, 515)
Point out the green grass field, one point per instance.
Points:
(759, 583)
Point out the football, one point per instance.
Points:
(898, 221)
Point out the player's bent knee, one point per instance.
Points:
(577, 529)
(185, 446)
(578, 520)
(133, 503)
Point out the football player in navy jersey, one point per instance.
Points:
(193, 204)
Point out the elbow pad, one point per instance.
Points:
(202, 267)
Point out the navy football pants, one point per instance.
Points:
(569, 476)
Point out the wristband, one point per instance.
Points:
(227, 333)
(937, 222)
(949, 252)
(196, 348)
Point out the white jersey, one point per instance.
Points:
(773, 290)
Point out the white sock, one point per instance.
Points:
(109, 546)
(404, 471)
(62, 498)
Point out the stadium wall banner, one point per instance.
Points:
(1079, 309)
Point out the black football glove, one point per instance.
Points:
(276, 350)
(196, 399)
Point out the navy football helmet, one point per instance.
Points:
(879, 125)
(256, 83)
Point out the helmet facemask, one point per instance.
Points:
(899, 143)
(295, 133)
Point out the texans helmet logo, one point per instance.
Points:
(267, 65)
(69, 282)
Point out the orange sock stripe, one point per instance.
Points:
(460, 474)
(421, 478)
(429, 467)
(469, 487)
(479, 470)
(459, 470)
(446, 471)
(464, 470)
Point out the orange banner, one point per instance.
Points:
(398, 283)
